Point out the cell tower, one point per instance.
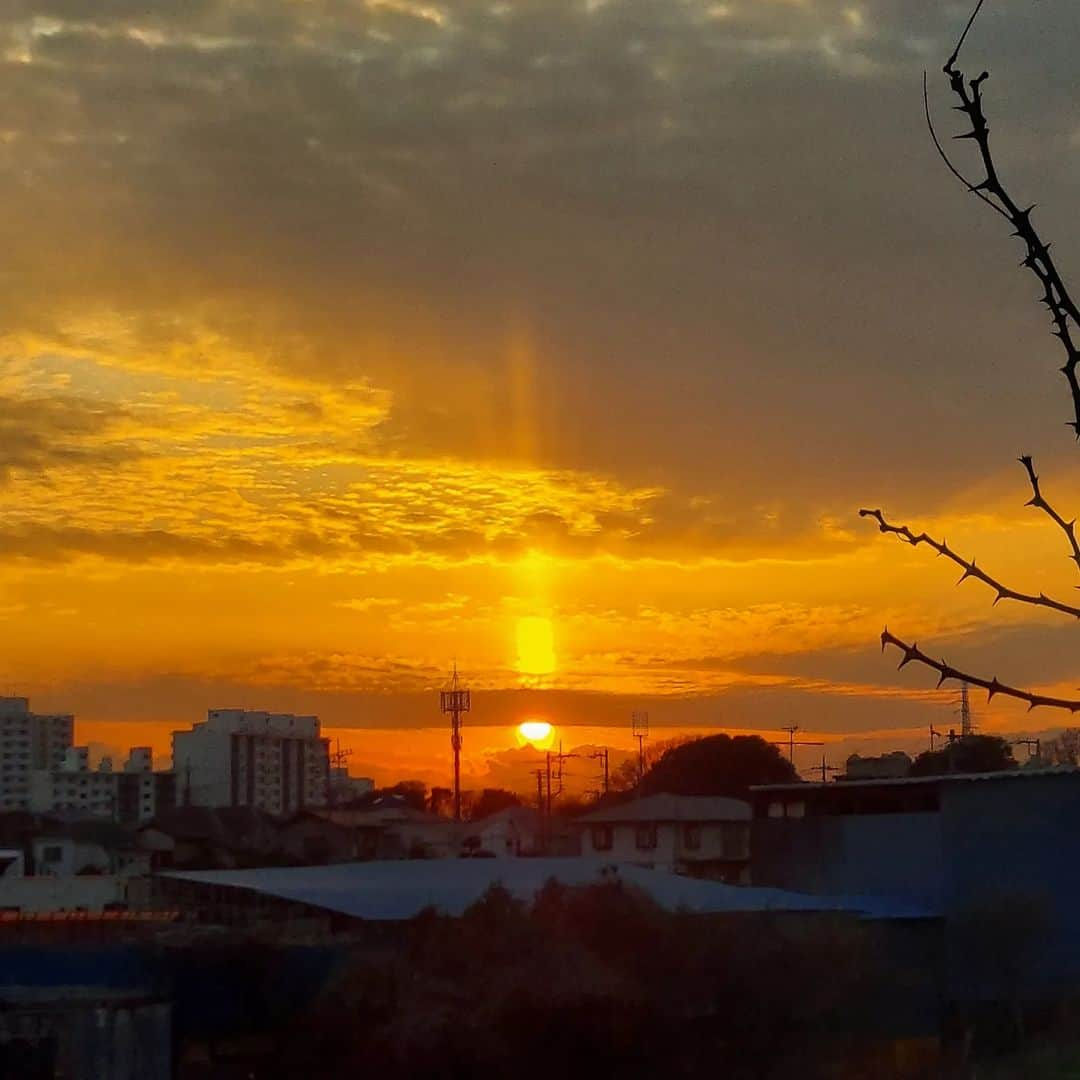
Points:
(639, 724)
(454, 703)
(967, 726)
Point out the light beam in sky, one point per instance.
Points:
(535, 646)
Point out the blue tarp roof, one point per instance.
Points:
(400, 889)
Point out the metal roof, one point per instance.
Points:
(950, 778)
(400, 889)
(691, 808)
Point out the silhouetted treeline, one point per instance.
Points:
(590, 981)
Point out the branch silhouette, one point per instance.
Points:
(1064, 313)
(1037, 500)
(993, 686)
(1002, 591)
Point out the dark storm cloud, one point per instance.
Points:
(719, 225)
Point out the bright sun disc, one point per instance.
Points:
(535, 731)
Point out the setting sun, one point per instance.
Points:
(537, 733)
(535, 646)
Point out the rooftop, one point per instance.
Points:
(693, 808)
(400, 889)
(944, 778)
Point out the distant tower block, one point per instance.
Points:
(454, 703)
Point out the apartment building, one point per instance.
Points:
(276, 762)
(28, 742)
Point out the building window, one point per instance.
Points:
(601, 837)
(52, 853)
(645, 837)
(692, 837)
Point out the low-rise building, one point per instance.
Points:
(993, 846)
(703, 836)
(275, 762)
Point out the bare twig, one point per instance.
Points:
(1037, 500)
(1063, 311)
(1002, 592)
(993, 687)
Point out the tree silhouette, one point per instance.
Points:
(972, 754)
(491, 801)
(718, 765)
(990, 189)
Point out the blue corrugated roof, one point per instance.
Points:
(399, 890)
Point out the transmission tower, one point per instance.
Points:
(454, 703)
(967, 725)
(639, 725)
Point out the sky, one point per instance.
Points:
(341, 340)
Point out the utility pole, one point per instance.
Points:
(934, 734)
(602, 757)
(826, 768)
(639, 725)
(454, 703)
(1029, 743)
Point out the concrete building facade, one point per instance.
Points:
(697, 835)
(276, 762)
(134, 795)
(28, 742)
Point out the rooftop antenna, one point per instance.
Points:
(639, 725)
(454, 703)
(792, 742)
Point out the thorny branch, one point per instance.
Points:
(993, 687)
(1003, 592)
(1037, 500)
(1063, 311)
(1066, 320)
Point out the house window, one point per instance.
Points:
(646, 837)
(52, 853)
(692, 837)
(601, 837)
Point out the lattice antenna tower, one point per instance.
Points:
(639, 725)
(967, 725)
(454, 703)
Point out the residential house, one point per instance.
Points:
(703, 836)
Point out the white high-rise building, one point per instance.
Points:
(274, 761)
(28, 742)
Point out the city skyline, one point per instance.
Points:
(537, 353)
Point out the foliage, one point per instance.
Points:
(491, 801)
(970, 754)
(718, 765)
(594, 980)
